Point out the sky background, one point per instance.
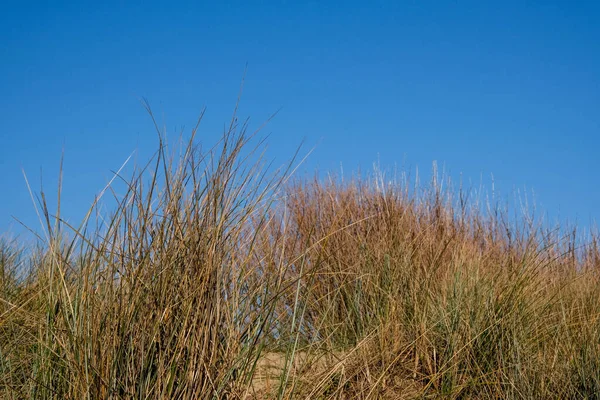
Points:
(508, 88)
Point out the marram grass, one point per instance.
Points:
(213, 278)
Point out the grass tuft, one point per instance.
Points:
(214, 278)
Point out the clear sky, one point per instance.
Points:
(509, 88)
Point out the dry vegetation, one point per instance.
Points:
(212, 279)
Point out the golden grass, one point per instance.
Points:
(214, 279)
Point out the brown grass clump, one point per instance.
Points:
(214, 279)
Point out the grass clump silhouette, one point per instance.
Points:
(213, 278)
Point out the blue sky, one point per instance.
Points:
(506, 88)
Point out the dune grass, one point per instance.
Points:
(216, 278)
